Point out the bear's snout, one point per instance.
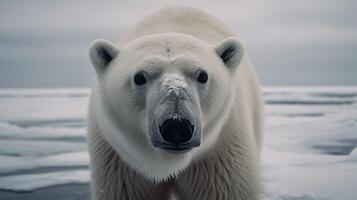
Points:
(176, 131)
(176, 135)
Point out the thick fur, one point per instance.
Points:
(225, 166)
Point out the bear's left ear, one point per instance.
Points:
(231, 52)
(101, 53)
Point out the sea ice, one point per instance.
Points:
(309, 149)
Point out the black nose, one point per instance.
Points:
(176, 131)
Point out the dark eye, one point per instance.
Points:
(202, 77)
(139, 79)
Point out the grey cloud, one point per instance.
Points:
(44, 44)
(330, 13)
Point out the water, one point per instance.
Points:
(309, 152)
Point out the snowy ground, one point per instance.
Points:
(309, 154)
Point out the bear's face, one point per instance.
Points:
(167, 97)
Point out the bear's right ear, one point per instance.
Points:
(101, 53)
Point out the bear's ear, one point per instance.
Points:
(101, 53)
(231, 52)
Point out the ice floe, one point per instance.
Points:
(309, 149)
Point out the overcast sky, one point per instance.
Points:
(305, 42)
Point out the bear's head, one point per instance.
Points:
(161, 100)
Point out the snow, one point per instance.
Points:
(26, 183)
(25, 148)
(16, 163)
(39, 130)
(310, 143)
(309, 153)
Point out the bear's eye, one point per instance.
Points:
(139, 79)
(202, 77)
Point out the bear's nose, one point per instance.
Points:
(176, 131)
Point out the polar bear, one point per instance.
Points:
(175, 111)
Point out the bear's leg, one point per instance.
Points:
(112, 179)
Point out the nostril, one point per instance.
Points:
(176, 131)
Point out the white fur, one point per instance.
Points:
(172, 82)
(230, 105)
(146, 159)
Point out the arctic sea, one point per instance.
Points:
(309, 152)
